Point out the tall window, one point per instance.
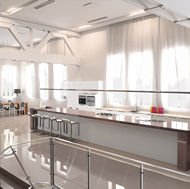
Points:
(60, 78)
(9, 79)
(44, 80)
(30, 79)
(140, 77)
(115, 78)
(157, 58)
(175, 76)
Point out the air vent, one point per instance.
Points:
(87, 4)
(44, 4)
(90, 4)
(29, 3)
(98, 19)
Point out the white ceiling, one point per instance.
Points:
(70, 14)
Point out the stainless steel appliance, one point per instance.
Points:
(90, 100)
(82, 99)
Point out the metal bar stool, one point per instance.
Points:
(51, 125)
(64, 127)
(59, 121)
(45, 117)
(33, 117)
(71, 123)
(37, 116)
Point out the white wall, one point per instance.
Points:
(92, 50)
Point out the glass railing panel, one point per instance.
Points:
(34, 158)
(108, 173)
(70, 166)
(160, 179)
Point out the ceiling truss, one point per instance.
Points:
(30, 53)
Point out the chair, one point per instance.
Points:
(21, 107)
(2, 108)
(11, 108)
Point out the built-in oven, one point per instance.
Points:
(90, 100)
(82, 99)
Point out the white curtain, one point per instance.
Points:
(43, 75)
(10, 77)
(44, 80)
(30, 80)
(148, 53)
(59, 78)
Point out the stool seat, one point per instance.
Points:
(45, 117)
(58, 120)
(38, 115)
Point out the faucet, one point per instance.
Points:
(136, 104)
(137, 108)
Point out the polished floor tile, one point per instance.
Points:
(71, 164)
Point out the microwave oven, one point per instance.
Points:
(82, 99)
(90, 100)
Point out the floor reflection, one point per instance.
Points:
(71, 164)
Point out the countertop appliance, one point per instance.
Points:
(90, 100)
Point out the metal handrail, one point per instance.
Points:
(112, 90)
(123, 157)
(89, 151)
(81, 147)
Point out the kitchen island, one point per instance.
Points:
(167, 141)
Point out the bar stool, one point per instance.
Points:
(59, 121)
(51, 125)
(71, 123)
(45, 117)
(37, 116)
(64, 127)
(33, 117)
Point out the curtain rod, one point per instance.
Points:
(126, 91)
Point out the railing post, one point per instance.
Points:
(27, 177)
(52, 161)
(141, 176)
(88, 168)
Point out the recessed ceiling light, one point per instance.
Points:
(16, 9)
(11, 10)
(83, 27)
(15, 45)
(137, 12)
(34, 40)
(37, 39)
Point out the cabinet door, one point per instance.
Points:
(159, 118)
